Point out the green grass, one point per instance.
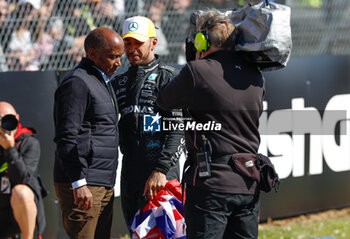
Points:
(337, 228)
(333, 223)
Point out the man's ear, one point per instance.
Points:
(153, 43)
(17, 117)
(91, 54)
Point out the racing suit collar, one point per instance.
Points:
(148, 67)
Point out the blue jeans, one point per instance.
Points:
(216, 215)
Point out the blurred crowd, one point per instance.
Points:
(49, 34)
(39, 33)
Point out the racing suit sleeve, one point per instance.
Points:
(24, 163)
(71, 100)
(179, 92)
(173, 145)
(174, 140)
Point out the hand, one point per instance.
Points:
(7, 141)
(154, 184)
(83, 197)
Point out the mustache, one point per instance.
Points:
(133, 54)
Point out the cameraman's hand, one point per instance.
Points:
(7, 141)
(83, 197)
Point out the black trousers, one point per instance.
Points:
(9, 226)
(220, 215)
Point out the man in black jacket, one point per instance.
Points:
(20, 192)
(149, 154)
(225, 93)
(85, 114)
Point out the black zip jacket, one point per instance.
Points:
(86, 131)
(23, 162)
(224, 89)
(137, 91)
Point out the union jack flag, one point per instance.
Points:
(162, 217)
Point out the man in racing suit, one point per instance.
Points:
(150, 154)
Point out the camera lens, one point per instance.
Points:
(9, 122)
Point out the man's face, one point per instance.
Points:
(181, 5)
(108, 60)
(3, 10)
(139, 53)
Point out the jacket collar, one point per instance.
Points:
(90, 65)
(87, 62)
(220, 54)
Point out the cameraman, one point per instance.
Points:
(221, 87)
(20, 195)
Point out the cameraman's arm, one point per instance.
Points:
(179, 92)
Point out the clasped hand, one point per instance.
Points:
(154, 184)
(7, 141)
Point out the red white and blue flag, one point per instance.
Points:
(162, 217)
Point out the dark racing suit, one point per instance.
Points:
(144, 151)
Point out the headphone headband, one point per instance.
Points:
(202, 41)
(210, 22)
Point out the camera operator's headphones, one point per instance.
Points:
(202, 41)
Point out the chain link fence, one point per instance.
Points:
(49, 34)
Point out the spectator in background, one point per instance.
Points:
(21, 191)
(47, 6)
(155, 12)
(118, 14)
(225, 4)
(3, 65)
(178, 19)
(61, 42)
(118, 8)
(23, 34)
(60, 15)
(43, 48)
(87, 16)
(3, 12)
(3, 17)
(44, 45)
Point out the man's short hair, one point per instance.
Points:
(94, 40)
(219, 33)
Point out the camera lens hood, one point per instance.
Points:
(9, 122)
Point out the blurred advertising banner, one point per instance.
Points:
(306, 132)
